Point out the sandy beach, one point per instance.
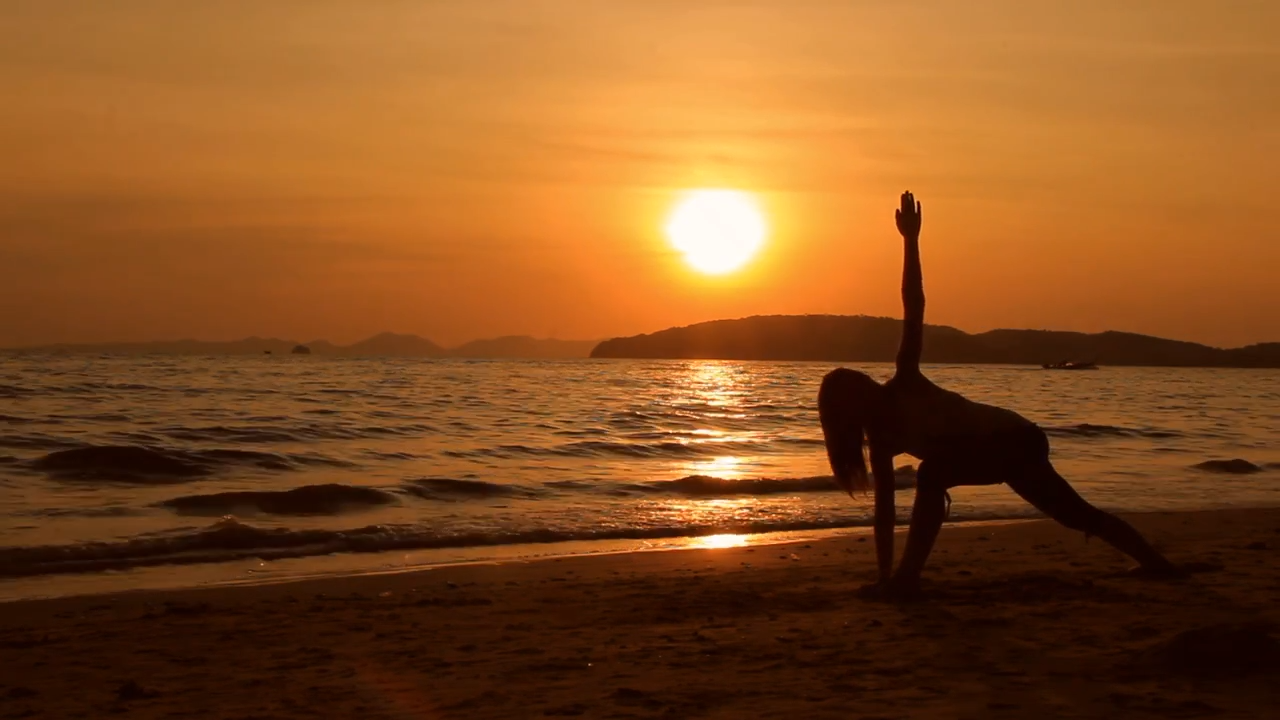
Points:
(1021, 620)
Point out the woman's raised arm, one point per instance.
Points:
(908, 217)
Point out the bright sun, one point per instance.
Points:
(717, 230)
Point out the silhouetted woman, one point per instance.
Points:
(958, 442)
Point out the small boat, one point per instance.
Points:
(1070, 365)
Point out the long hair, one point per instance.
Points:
(848, 402)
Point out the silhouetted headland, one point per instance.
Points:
(842, 338)
(382, 345)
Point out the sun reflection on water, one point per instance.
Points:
(714, 389)
(728, 467)
(714, 384)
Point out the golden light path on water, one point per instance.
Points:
(715, 385)
(715, 389)
(728, 467)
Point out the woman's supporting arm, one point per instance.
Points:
(886, 511)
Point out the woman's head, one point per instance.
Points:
(848, 403)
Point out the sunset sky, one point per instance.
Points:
(471, 168)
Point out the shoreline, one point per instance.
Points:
(1019, 620)
(230, 574)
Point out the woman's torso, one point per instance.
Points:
(925, 419)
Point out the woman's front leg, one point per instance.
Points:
(926, 520)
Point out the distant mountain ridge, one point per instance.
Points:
(382, 345)
(830, 338)
(860, 338)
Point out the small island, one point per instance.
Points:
(859, 338)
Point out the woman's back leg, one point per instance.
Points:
(1052, 495)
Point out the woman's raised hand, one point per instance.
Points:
(908, 216)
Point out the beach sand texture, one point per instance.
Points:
(1021, 620)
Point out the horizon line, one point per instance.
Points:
(316, 341)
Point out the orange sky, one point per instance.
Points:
(326, 168)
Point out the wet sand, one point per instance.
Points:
(1023, 620)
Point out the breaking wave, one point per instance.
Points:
(696, 486)
(449, 489)
(705, 486)
(123, 463)
(600, 448)
(151, 465)
(328, 499)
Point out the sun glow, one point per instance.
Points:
(718, 231)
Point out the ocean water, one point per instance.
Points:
(144, 471)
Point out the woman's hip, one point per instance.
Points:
(988, 459)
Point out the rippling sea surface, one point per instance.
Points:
(128, 471)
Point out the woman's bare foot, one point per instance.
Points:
(895, 591)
